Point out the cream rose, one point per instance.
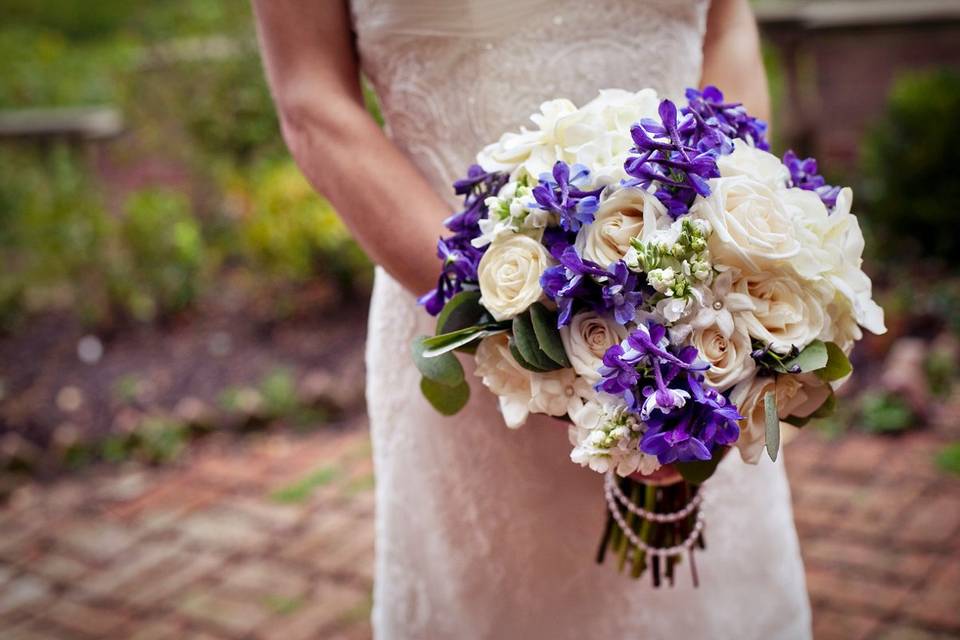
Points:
(505, 378)
(796, 396)
(786, 313)
(509, 274)
(628, 213)
(754, 163)
(751, 227)
(729, 358)
(586, 339)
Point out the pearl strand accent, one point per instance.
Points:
(611, 483)
(662, 552)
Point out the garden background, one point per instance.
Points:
(183, 447)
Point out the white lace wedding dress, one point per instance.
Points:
(486, 532)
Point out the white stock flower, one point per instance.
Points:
(558, 393)
(505, 378)
(509, 274)
(728, 355)
(596, 135)
(751, 227)
(604, 437)
(758, 164)
(587, 338)
(797, 395)
(720, 303)
(628, 213)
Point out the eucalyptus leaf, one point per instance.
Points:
(813, 357)
(446, 342)
(528, 345)
(773, 424)
(548, 336)
(446, 400)
(461, 311)
(515, 352)
(838, 365)
(699, 471)
(445, 370)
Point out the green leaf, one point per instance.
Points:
(461, 311)
(528, 345)
(548, 336)
(444, 369)
(838, 365)
(515, 352)
(446, 342)
(446, 400)
(773, 424)
(814, 356)
(699, 471)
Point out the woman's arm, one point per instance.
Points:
(731, 56)
(312, 70)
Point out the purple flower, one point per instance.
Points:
(668, 157)
(584, 283)
(717, 122)
(664, 386)
(459, 257)
(560, 193)
(803, 175)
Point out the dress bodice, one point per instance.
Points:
(453, 75)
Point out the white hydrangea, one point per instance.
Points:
(596, 135)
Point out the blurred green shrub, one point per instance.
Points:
(54, 235)
(910, 162)
(288, 231)
(162, 255)
(885, 413)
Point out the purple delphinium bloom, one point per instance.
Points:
(560, 193)
(717, 123)
(575, 280)
(665, 157)
(803, 175)
(458, 255)
(664, 386)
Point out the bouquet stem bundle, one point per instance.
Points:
(666, 517)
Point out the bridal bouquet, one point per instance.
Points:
(653, 275)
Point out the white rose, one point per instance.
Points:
(844, 241)
(751, 227)
(509, 274)
(754, 163)
(785, 312)
(587, 338)
(628, 213)
(729, 357)
(811, 223)
(505, 378)
(796, 396)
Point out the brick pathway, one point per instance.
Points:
(273, 539)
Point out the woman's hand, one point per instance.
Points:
(312, 69)
(731, 56)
